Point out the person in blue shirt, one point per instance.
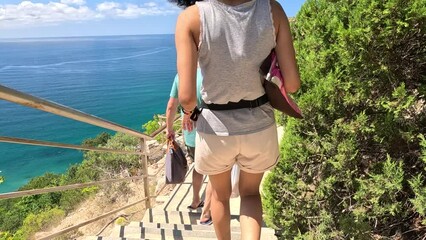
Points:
(189, 138)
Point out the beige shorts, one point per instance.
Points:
(254, 153)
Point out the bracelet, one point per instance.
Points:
(186, 112)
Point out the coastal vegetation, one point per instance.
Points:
(22, 217)
(355, 166)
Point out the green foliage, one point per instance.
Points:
(418, 184)
(354, 168)
(114, 163)
(36, 222)
(6, 236)
(1, 179)
(13, 214)
(101, 139)
(122, 221)
(153, 125)
(35, 210)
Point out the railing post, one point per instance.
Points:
(144, 161)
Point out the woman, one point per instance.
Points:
(230, 39)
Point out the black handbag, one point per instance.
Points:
(176, 163)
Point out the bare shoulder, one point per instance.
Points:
(275, 5)
(189, 15)
(277, 11)
(189, 21)
(279, 16)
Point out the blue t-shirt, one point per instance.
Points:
(189, 136)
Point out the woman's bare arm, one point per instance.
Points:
(187, 56)
(285, 49)
(171, 110)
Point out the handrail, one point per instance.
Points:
(66, 187)
(63, 145)
(31, 192)
(61, 110)
(65, 230)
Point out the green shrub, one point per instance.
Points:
(113, 163)
(38, 222)
(122, 221)
(354, 168)
(22, 217)
(100, 139)
(152, 125)
(6, 236)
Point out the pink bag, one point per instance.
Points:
(274, 87)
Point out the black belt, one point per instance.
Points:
(237, 105)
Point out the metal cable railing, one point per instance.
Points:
(27, 100)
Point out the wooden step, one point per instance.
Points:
(177, 217)
(113, 238)
(137, 232)
(138, 227)
(174, 231)
(188, 227)
(169, 233)
(181, 196)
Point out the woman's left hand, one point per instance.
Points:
(187, 123)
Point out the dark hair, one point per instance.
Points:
(184, 3)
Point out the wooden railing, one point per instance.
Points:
(27, 100)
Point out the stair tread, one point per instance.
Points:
(134, 226)
(113, 238)
(168, 233)
(181, 196)
(178, 217)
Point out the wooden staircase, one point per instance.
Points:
(171, 219)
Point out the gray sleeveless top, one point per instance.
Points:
(234, 41)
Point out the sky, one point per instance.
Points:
(61, 18)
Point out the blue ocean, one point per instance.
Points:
(123, 79)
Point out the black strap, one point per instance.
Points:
(237, 105)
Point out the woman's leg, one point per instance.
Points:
(197, 182)
(251, 205)
(221, 191)
(257, 158)
(206, 215)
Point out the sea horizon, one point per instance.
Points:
(82, 36)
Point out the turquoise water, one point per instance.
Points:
(124, 79)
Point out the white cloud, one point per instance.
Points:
(38, 14)
(107, 6)
(150, 4)
(117, 10)
(73, 2)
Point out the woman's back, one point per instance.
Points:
(234, 40)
